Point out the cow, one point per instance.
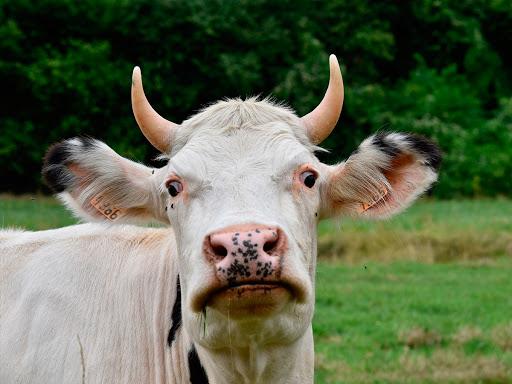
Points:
(224, 292)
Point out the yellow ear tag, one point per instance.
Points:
(106, 209)
(367, 206)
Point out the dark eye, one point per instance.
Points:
(308, 178)
(174, 187)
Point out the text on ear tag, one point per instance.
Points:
(106, 208)
(367, 206)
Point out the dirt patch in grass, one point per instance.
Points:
(418, 337)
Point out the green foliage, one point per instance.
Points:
(437, 68)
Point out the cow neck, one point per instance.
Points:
(257, 364)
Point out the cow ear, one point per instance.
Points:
(99, 185)
(385, 175)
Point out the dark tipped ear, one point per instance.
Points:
(56, 162)
(99, 185)
(385, 175)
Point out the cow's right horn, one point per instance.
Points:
(156, 129)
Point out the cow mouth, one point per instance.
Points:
(249, 298)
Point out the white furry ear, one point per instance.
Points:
(99, 185)
(385, 175)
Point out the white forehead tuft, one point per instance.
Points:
(230, 115)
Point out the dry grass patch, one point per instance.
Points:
(443, 366)
(448, 366)
(502, 336)
(333, 339)
(337, 370)
(424, 246)
(466, 334)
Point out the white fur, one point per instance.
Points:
(104, 293)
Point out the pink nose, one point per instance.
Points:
(248, 253)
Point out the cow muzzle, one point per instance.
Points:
(247, 262)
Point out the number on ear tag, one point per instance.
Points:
(106, 208)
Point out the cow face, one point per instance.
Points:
(243, 192)
(243, 199)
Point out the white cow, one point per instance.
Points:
(225, 294)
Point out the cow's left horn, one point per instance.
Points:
(321, 121)
(156, 129)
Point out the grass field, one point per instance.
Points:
(423, 298)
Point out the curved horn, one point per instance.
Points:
(156, 129)
(321, 121)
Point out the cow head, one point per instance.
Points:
(243, 192)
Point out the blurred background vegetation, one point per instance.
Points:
(439, 68)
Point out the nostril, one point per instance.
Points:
(270, 246)
(219, 250)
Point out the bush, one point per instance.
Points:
(438, 68)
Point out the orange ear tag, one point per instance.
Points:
(106, 209)
(367, 206)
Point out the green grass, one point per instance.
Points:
(33, 213)
(412, 322)
(381, 316)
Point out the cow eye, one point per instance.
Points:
(308, 178)
(174, 187)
